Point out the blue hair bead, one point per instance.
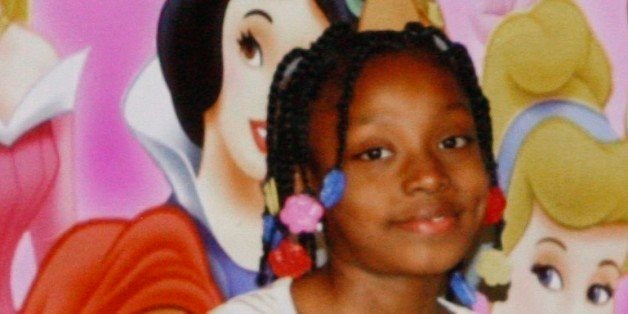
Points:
(333, 188)
(463, 291)
(271, 234)
(269, 227)
(276, 238)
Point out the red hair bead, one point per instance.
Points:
(495, 206)
(289, 259)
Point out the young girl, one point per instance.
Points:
(387, 135)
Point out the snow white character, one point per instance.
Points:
(218, 60)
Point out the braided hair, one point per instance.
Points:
(338, 56)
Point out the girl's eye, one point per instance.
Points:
(548, 276)
(250, 49)
(599, 294)
(375, 154)
(455, 142)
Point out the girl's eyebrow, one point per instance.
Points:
(259, 12)
(552, 240)
(370, 119)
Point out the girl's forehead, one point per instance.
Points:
(394, 73)
(397, 90)
(406, 97)
(404, 78)
(407, 65)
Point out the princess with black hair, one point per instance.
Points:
(379, 154)
(217, 60)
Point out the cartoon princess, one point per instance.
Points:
(563, 247)
(472, 22)
(218, 59)
(567, 218)
(36, 93)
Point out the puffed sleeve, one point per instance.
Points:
(155, 261)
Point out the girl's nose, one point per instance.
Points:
(425, 174)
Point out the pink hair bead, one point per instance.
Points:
(301, 213)
(481, 306)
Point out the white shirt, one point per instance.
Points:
(274, 298)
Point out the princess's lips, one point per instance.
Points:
(258, 130)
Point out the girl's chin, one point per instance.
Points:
(425, 266)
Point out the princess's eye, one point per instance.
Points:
(250, 49)
(599, 294)
(548, 276)
(455, 142)
(375, 154)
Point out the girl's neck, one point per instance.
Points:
(341, 287)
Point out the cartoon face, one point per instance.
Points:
(416, 184)
(558, 270)
(256, 35)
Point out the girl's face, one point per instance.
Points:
(557, 270)
(416, 181)
(256, 35)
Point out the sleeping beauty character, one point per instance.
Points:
(36, 191)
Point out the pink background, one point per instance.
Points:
(114, 176)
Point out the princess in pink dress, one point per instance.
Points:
(36, 94)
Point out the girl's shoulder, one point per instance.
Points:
(274, 298)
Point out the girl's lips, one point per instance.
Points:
(430, 226)
(258, 130)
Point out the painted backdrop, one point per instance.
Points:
(92, 127)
